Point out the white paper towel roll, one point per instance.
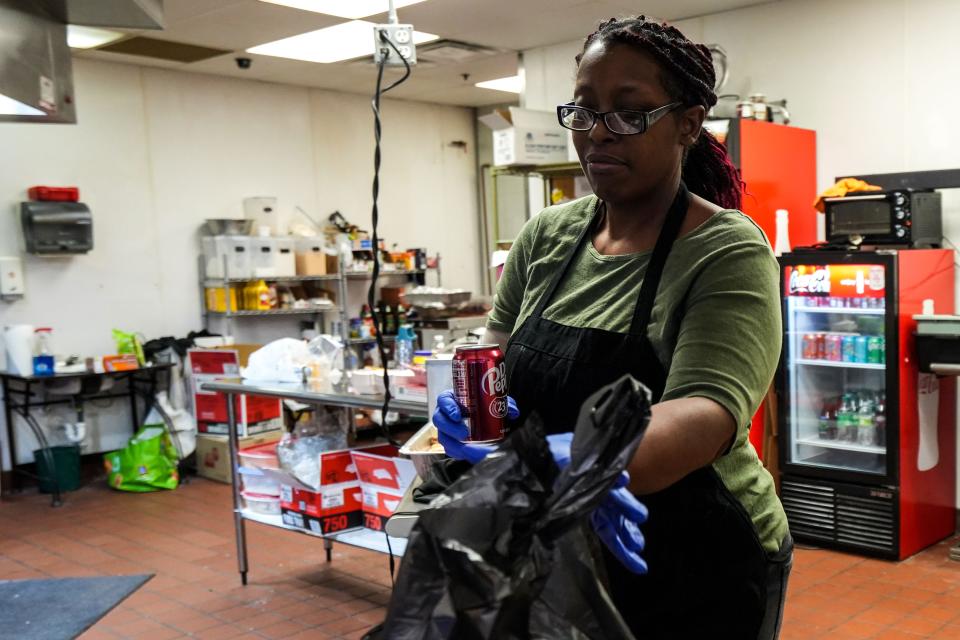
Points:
(18, 340)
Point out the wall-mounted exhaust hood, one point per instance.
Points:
(36, 75)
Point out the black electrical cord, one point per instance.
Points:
(375, 219)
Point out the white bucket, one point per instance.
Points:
(18, 341)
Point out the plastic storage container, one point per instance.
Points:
(261, 504)
(255, 481)
(285, 264)
(236, 250)
(262, 456)
(263, 211)
(263, 257)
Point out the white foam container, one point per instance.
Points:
(264, 505)
(255, 481)
(261, 456)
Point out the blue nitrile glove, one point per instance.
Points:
(618, 518)
(452, 430)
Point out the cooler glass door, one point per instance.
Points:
(835, 374)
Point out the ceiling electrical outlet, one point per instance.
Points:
(401, 35)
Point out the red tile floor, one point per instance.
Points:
(186, 538)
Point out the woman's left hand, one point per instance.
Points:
(618, 518)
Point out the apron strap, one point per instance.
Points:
(562, 271)
(651, 279)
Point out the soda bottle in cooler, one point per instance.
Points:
(846, 418)
(880, 420)
(866, 421)
(827, 422)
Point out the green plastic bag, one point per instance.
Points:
(129, 343)
(147, 463)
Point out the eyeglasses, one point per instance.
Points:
(625, 123)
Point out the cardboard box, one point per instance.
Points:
(243, 351)
(332, 509)
(254, 414)
(337, 467)
(378, 506)
(223, 362)
(213, 454)
(384, 480)
(386, 472)
(312, 258)
(526, 137)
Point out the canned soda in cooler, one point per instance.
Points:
(834, 348)
(848, 348)
(808, 346)
(860, 349)
(821, 347)
(875, 350)
(480, 385)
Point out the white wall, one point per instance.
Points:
(878, 81)
(156, 151)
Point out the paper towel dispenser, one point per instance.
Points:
(56, 228)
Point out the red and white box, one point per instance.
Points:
(384, 480)
(338, 466)
(380, 471)
(330, 510)
(378, 505)
(254, 414)
(358, 488)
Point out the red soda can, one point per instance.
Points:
(809, 347)
(821, 346)
(480, 386)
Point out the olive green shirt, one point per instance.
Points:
(715, 324)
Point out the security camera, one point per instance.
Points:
(243, 63)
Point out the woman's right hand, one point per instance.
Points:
(452, 430)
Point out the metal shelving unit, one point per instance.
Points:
(364, 538)
(318, 313)
(277, 312)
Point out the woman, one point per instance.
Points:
(658, 275)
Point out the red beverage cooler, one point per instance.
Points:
(778, 164)
(867, 442)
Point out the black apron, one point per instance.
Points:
(709, 576)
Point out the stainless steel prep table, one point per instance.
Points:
(307, 394)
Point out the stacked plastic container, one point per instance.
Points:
(261, 493)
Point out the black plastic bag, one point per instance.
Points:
(507, 550)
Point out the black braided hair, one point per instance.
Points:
(688, 77)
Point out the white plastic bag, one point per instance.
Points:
(282, 360)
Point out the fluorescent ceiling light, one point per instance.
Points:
(351, 9)
(513, 84)
(11, 107)
(88, 37)
(344, 41)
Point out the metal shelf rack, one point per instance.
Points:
(364, 538)
(319, 313)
